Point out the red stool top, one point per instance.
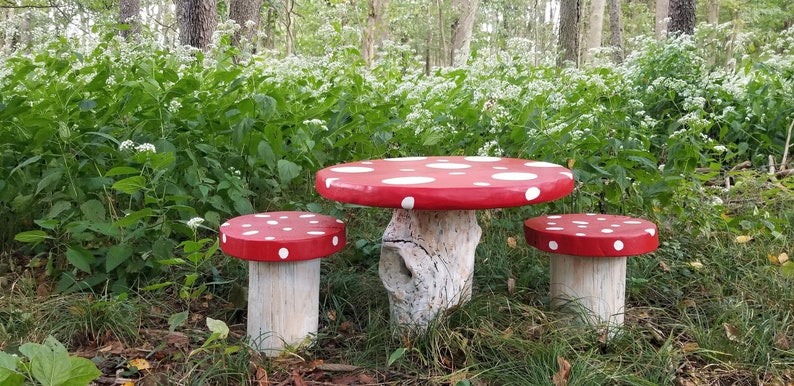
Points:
(282, 236)
(597, 235)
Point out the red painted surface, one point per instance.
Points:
(596, 235)
(445, 183)
(282, 236)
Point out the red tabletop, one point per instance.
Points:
(445, 183)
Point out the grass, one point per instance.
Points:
(703, 309)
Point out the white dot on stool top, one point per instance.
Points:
(283, 253)
(580, 222)
(260, 215)
(567, 174)
(287, 229)
(448, 165)
(249, 233)
(352, 169)
(272, 222)
(553, 217)
(283, 217)
(532, 193)
(407, 203)
(580, 234)
(607, 230)
(481, 184)
(308, 215)
(328, 181)
(514, 176)
(581, 226)
(340, 221)
(335, 240)
(615, 225)
(225, 224)
(407, 170)
(499, 168)
(632, 222)
(270, 238)
(551, 223)
(554, 229)
(541, 164)
(315, 233)
(457, 173)
(553, 245)
(482, 159)
(247, 225)
(314, 222)
(408, 180)
(224, 237)
(618, 245)
(366, 163)
(601, 218)
(651, 231)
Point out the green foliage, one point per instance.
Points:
(47, 364)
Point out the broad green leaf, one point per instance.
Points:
(58, 208)
(80, 258)
(9, 375)
(50, 179)
(93, 210)
(83, 371)
(133, 217)
(287, 171)
(24, 163)
(177, 320)
(117, 255)
(130, 185)
(31, 236)
(49, 362)
(121, 170)
(395, 356)
(218, 327)
(86, 105)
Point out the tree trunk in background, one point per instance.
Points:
(289, 26)
(595, 29)
(682, 16)
(713, 12)
(442, 38)
(130, 14)
(465, 13)
(246, 13)
(569, 31)
(270, 21)
(615, 31)
(662, 12)
(197, 20)
(373, 36)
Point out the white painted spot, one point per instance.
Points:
(407, 203)
(457, 174)
(481, 184)
(580, 222)
(287, 229)
(514, 176)
(405, 159)
(567, 174)
(308, 215)
(448, 165)
(554, 228)
(651, 231)
(532, 193)
(580, 234)
(554, 217)
(315, 233)
(261, 215)
(615, 225)
(223, 238)
(551, 223)
(352, 169)
(500, 168)
(601, 218)
(408, 180)
(581, 226)
(540, 164)
(366, 162)
(482, 159)
(314, 222)
(283, 253)
(590, 214)
(249, 233)
(607, 230)
(407, 170)
(225, 224)
(618, 245)
(633, 222)
(247, 225)
(339, 221)
(329, 181)
(284, 217)
(335, 240)
(272, 222)
(553, 245)
(270, 238)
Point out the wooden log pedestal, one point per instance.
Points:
(284, 272)
(588, 261)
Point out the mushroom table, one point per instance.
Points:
(427, 254)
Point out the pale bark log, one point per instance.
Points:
(283, 304)
(595, 29)
(466, 14)
(616, 31)
(427, 264)
(569, 31)
(592, 287)
(662, 14)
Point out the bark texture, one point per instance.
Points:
(197, 21)
(427, 264)
(615, 31)
(682, 16)
(569, 31)
(373, 35)
(662, 13)
(248, 14)
(595, 29)
(462, 26)
(130, 14)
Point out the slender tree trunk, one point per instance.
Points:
(615, 31)
(373, 36)
(248, 14)
(130, 14)
(682, 16)
(465, 14)
(442, 37)
(269, 43)
(289, 26)
(569, 31)
(197, 21)
(713, 12)
(662, 13)
(595, 29)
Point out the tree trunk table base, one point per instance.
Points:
(427, 264)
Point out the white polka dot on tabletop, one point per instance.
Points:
(591, 234)
(282, 236)
(445, 183)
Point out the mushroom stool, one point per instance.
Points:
(588, 259)
(283, 272)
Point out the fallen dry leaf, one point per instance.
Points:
(664, 266)
(128, 383)
(511, 242)
(782, 342)
(731, 332)
(688, 303)
(140, 364)
(743, 239)
(570, 163)
(690, 347)
(261, 376)
(560, 378)
(297, 380)
(696, 264)
(782, 258)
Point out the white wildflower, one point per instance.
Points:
(194, 223)
(720, 149)
(126, 145)
(145, 147)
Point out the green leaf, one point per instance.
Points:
(287, 171)
(133, 217)
(49, 362)
(122, 170)
(83, 371)
(130, 185)
(396, 355)
(93, 210)
(177, 320)
(218, 327)
(50, 179)
(86, 105)
(31, 236)
(117, 255)
(24, 163)
(80, 258)
(9, 375)
(58, 208)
